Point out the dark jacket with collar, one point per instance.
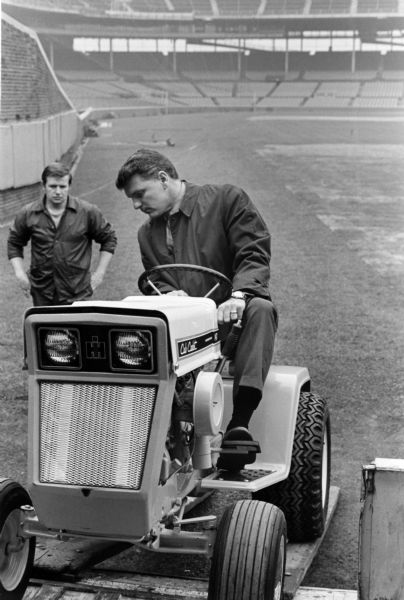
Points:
(217, 226)
(61, 255)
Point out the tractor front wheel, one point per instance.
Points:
(16, 552)
(250, 552)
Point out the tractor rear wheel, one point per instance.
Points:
(16, 552)
(249, 555)
(303, 496)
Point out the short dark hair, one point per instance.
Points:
(56, 169)
(145, 163)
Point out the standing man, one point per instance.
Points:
(215, 226)
(61, 229)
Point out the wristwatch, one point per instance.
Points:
(240, 295)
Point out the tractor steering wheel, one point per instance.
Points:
(185, 277)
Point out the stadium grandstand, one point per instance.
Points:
(225, 54)
(62, 59)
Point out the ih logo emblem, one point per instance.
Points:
(95, 348)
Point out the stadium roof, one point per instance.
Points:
(199, 18)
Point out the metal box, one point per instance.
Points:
(381, 531)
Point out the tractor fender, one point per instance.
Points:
(273, 423)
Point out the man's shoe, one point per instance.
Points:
(238, 449)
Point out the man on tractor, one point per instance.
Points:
(215, 226)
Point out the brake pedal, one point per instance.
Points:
(235, 454)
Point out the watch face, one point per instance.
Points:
(238, 294)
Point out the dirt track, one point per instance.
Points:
(336, 214)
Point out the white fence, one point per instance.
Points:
(27, 147)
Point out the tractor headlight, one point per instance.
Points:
(132, 350)
(59, 347)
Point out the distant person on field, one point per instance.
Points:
(61, 229)
(214, 226)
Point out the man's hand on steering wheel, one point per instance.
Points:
(187, 277)
(176, 293)
(231, 310)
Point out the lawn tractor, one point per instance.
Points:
(127, 402)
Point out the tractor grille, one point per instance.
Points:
(94, 435)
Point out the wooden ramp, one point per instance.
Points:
(300, 556)
(62, 572)
(165, 590)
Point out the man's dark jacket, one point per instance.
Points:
(61, 256)
(217, 226)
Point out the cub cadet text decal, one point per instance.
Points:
(195, 344)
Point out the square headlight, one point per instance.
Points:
(59, 348)
(132, 349)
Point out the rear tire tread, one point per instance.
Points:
(300, 496)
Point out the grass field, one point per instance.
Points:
(332, 193)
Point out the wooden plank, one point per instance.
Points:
(49, 592)
(77, 595)
(31, 592)
(149, 587)
(300, 556)
(306, 593)
(62, 591)
(53, 557)
(107, 595)
(303, 593)
(106, 586)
